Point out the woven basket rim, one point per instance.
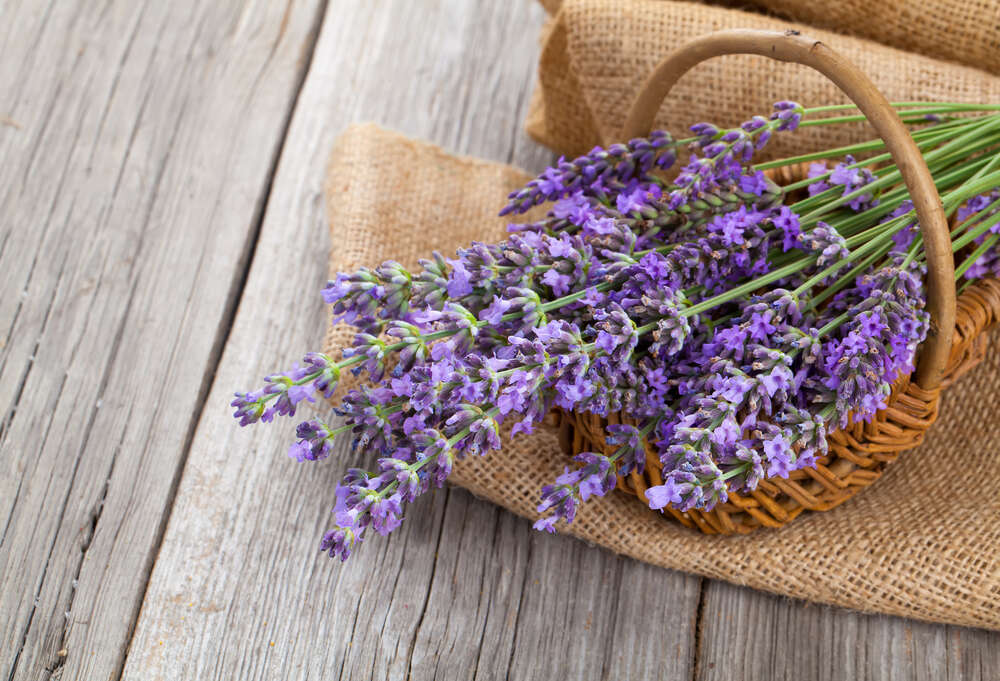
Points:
(858, 453)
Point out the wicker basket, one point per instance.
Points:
(859, 453)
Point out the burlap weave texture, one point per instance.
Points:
(922, 542)
(962, 31)
(596, 54)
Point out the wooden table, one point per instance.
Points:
(163, 243)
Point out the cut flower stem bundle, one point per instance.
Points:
(732, 323)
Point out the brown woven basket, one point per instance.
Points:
(858, 453)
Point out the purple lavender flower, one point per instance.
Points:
(788, 222)
(828, 242)
(315, 441)
(754, 183)
(600, 307)
(818, 169)
(576, 208)
(987, 264)
(779, 456)
(283, 392)
(632, 447)
(725, 154)
(671, 492)
(355, 298)
(851, 179)
(616, 334)
(760, 326)
(876, 343)
(597, 172)
(788, 114)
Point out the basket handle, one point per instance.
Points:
(792, 47)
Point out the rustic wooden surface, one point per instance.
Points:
(162, 168)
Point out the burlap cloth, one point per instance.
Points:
(963, 31)
(922, 542)
(596, 53)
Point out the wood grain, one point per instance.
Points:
(752, 636)
(151, 150)
(138, 145)
(463, 590)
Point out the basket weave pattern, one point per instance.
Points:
(916, 545)
(857, 456)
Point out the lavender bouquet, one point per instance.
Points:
(734, 321)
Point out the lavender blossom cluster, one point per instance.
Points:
(983, 210)
(844, 178)
(629, 296)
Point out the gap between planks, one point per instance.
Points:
(323, 617)
(79, 534)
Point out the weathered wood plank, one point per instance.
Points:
(139, 139)
(752, 635)
(463, 589)
(509, 603)
(589, 614)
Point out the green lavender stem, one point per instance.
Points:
(987, 244)
(961, 139)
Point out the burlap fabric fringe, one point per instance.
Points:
(921, 543)
(596, 53)
(963, 31)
